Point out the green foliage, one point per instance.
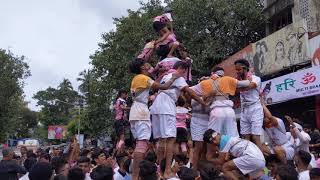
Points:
(211, 30)
(57, 104)
(13, 72)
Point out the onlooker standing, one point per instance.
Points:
(314, 174)
(9, 169)
(76, 174)
(120, 116)
(102, 173)
(84, 164)
(28, 164)
(302, 160)
(41, 171)
(286, 172)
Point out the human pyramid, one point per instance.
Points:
(163, 102)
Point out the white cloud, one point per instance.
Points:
(57, 36)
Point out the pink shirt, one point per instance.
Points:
(166, 64)
(163, 18)
(120, 115)
(182, 116)
(169, 40)
(147, 51)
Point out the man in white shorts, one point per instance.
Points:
(248, 157)
(163, 112)
(139, 116)
(251, 110)
(198, 125)
(280, 144)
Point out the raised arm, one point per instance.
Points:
(166, 85)
(268, 115)
(162, 38)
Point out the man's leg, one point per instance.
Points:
(138, 155)
(172, 47)
(257, 141)
(169, 155)
(196, 154)
(227, 169)
(161, 149)
(245, 126)
(256, 119)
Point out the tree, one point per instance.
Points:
(53, 109)
(211, 30)
(13, 72)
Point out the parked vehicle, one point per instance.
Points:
(29, 143)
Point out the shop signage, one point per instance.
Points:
(292, 86)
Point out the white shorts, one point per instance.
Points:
(252, 119)
(141, 130)
(223, 118)
(249, 165)
(164, 126)
(198, 125)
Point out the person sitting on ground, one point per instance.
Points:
(314, 174)
(41, 171)
(286, 172)
(148, 170)
(280, 144)
(76, 174)
(84, 164)
(102, 172)
(28, 164)
(302, 160)
(248, 157)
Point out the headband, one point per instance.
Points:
(219, 73)
(213, 136)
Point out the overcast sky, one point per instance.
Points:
(56, 36)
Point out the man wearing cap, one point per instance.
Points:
(251, 109)
(248, 157)
(9, 169)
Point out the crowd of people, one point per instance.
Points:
(182, 130)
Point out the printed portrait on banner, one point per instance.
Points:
(284, 48)
(314, 44)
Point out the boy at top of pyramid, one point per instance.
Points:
(163, 26)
